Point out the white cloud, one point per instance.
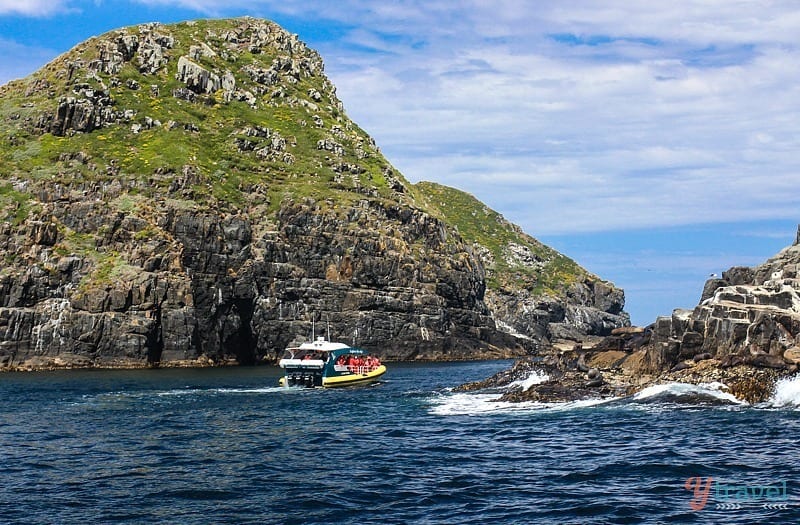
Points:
(32, 7)
(674, 114)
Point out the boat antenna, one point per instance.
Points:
(328, 326)
(313, 334)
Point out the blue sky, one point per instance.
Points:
(655, 144)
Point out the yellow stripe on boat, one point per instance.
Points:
(353, 379)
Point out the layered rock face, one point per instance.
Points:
(750, 315)
(533, 292)
(195, 194)
(232, 287)
(590, 310)
(743, 334)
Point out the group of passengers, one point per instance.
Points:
(358, 364)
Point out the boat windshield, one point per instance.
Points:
(306, 354)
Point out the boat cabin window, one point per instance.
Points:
(306, 354)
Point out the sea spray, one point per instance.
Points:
(535, 378)
(469, 404)
(787, 392)
(714, 391)
(473, 404)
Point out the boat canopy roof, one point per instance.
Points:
(323, 346)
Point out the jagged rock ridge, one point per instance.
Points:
(749, 315)
(196, 193)
(532, 290)
(744, 334)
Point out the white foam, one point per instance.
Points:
(195, 391)
(787, 392)
(715, 390)
(470, 404)
(261, 390)
(535, 378)
(581, 403)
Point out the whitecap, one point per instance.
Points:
(787, 392)
(259, 390)
(450, 404)
(681, 391)
(582, 403)
(177, 392)
(470, 404)
(536, 378)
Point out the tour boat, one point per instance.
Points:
(323, 363)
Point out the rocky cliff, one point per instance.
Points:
(744, 333)
(750, 315)
(532, 290)
(195, 193)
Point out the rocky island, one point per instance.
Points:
(744, 334)
(195, 194)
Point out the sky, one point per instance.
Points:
(655, 143)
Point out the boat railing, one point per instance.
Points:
(364, 369)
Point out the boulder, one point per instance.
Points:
(627, 330)
(792, 355)
(196, 77)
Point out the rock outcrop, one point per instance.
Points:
(197, 78)
(194, 194)
(532, 291)
(588, 310)
(178, 286)
(745, 333)
(749, 316)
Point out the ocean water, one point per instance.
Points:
(228, 446)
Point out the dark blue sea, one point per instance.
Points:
(228, 446)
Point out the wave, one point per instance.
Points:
(715, 394)
(786, 396)
(787, 393)
(687, 393)
(138, 395)
(467, 404)
(535, 378)
(471, 404)
(196, 391)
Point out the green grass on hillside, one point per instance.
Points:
(226, 172)
(483, 226)
(199, 153)
(14, 205)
